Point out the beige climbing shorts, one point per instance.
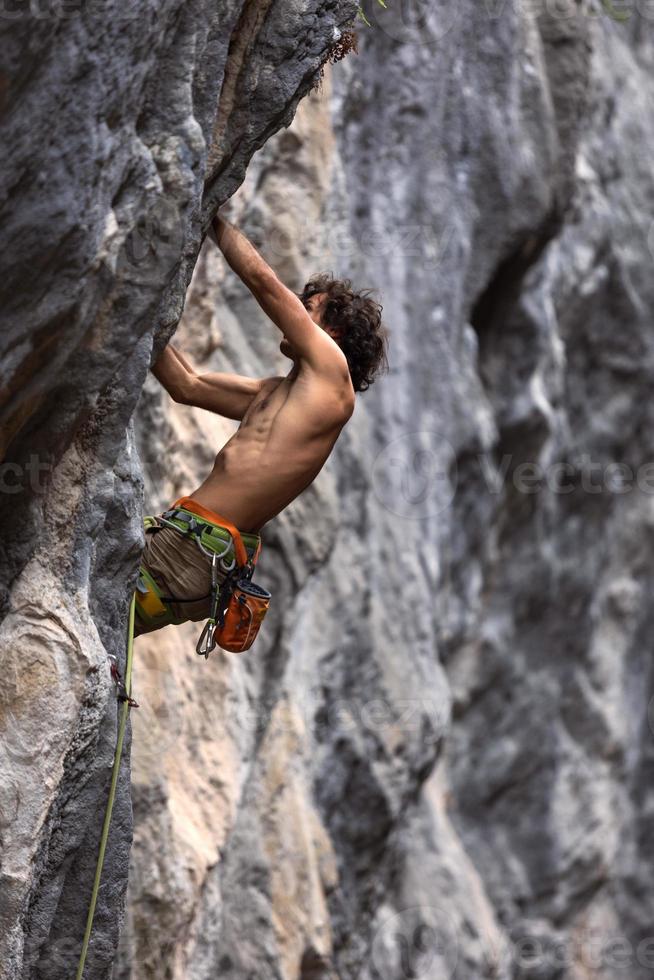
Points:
(180, 570)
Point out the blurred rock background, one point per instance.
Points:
(436, 762)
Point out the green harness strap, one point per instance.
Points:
(112, 794)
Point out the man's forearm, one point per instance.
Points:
(175, 373)
(277, 301)
(241, 255)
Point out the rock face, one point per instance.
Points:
(123, 129)
(434, 763)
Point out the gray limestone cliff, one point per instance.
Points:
(436, 761)
(123, 128)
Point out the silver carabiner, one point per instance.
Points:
(207, 642)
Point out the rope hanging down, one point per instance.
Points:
(125, 697)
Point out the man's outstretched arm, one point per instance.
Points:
(225, 394)
(278, 302)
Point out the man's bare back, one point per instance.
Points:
(279, 448)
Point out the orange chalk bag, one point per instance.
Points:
(242, 615)
(238, 606)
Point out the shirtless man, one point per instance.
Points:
(289, 424)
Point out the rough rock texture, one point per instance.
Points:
(123, 128)
(436, 762)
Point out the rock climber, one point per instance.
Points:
(289, 424)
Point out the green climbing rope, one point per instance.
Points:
(112, 795)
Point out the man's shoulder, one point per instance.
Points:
(330, 394)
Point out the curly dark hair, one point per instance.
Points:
(364, 339)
